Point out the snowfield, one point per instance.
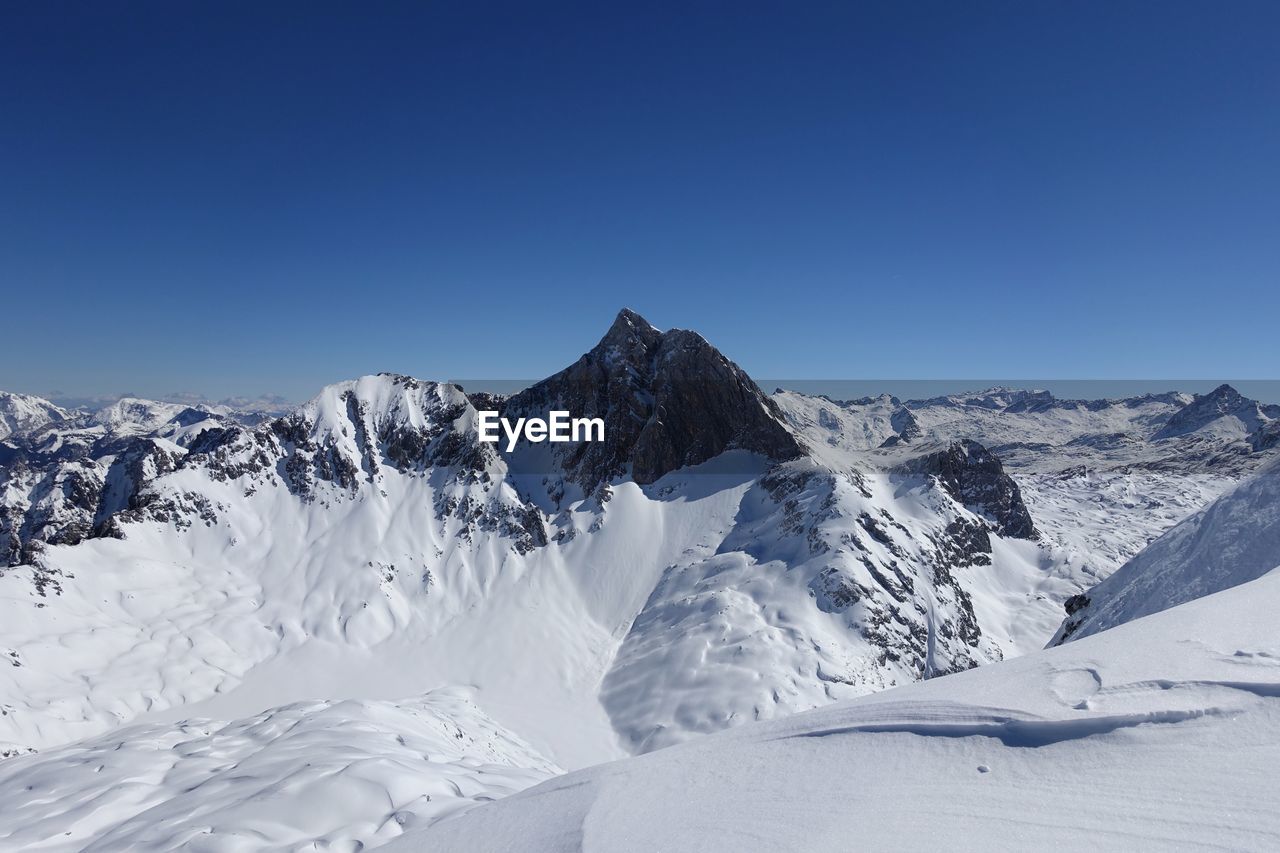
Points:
(1162, 734)
(309, 776)
(1233, 540)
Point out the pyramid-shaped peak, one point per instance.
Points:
(628, 318)
(630, 326)
(1222, 402)
(668, 399)
(1225, 391)
(631, 336)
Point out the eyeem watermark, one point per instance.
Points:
(559, 427)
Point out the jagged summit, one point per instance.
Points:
(975, 477)
(669, 399)
(630, 336)
(1222, 410)
(629, 324)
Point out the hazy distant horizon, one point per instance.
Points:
(1263, 390)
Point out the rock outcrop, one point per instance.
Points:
(975, 477)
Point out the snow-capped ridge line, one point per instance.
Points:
(1232, 541)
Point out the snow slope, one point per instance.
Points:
(21, 413)
(1162, 734)
(366, 592)
(310, 776)
(1233, 540)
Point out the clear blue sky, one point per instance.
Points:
(265, 197)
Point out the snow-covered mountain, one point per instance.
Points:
(669, 400)
(1232, 541)
(1099, 478)
(22, 413)
(372, 518)
(725, 556)
(65, 476)
(1223, 411)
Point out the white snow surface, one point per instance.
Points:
(1233, 540)
(319, 775)
(1162, 734)
(20, 413)
(983, 416)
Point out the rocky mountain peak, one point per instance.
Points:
(668, 399)
(975, 477)
(1224, 404)
(629, 340)
(1224, 398)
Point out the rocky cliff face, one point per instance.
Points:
(975, 477)
(1266, 436)
(71, 493)
(668, 400)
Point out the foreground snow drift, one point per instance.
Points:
(1160, 734)
(309, 776)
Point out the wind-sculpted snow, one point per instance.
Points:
(1162, 734)
(249, 581)
(371, 519)
(1233, 540)
(312, 775)
(830, 585)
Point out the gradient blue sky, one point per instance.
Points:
(264, 197)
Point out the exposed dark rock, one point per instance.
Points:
(905, 425)
(59, 501)
(975, 477)
(1076, 603)
(483, 401)
(668, 400)
(965, 543)
(1077, 609)
(1266, 436)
